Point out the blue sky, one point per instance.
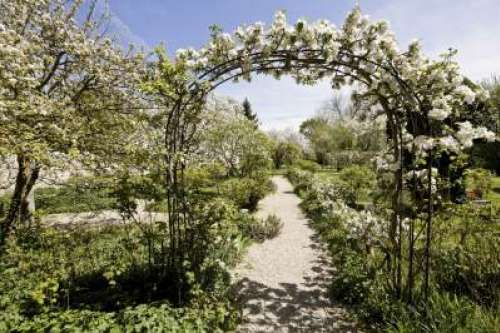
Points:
(471, 26)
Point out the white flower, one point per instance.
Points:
(181, 53)
(483, 133)
(467, 93)
(465, 134)
(439, 114)
(407, 137)
(450, 143)
(423, 143)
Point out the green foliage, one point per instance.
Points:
(261, 229)
(244, 150)
(489, 116)
(272, 225)
(79, 194)
(246, 192)
(249, 114)
(467, 261)
(106, 279)
(478, 181)
(286, 154)
(342, 143)
(204, 176)
(315, 190)
(300, 179)
(494, 195)
(359, 179)
(213, 317)
(4, 204)
(351, 285)
(318, 132)
(486, 155)
(129, 189)
(307, 165)
(443, 313)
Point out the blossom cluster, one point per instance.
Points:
(329, 200)
(59, 78)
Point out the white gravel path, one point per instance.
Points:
(282, 284)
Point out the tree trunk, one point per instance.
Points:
(19, 207)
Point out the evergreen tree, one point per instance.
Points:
(249, 114)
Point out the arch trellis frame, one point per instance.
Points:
(405, 86)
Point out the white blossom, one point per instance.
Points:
(450, 143)
(467, 93)
(439, 114)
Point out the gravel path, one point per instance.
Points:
(282, 285)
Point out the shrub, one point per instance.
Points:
(351, 284)
(246, 192)
(4, 204)
(359, 179)
(322, 193)
(272, 226)
(298, 176)
(285, 153)
(307, 165)
(443, 313)
(261, 229)
(478, 182)
(464, 272)
(142, 318)
(217, 245)
(466, 260)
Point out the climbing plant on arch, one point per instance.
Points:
(421, 98)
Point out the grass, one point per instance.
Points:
(80, 194)
(494, 194)
(278, 172)
(72, 199)
(328, 174)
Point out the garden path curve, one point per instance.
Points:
(282, 284)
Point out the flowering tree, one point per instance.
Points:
(421, 98)
(236, 143)
(64, 92)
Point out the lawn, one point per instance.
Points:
(494, 194)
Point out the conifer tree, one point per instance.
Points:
(249, 114)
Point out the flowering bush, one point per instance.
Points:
(328, 200)
(466, 274)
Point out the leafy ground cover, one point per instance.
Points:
(109, 278)
(100, 281)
